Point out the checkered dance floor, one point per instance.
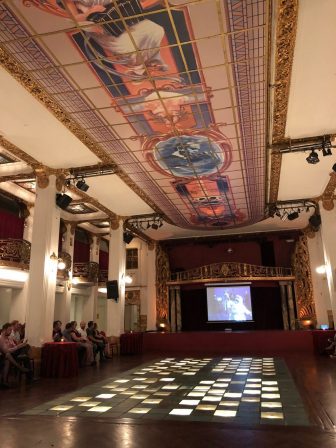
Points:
(248, 391)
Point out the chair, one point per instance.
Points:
(114, 345)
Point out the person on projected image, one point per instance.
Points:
(238, 311)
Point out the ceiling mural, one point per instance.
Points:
(173, 91)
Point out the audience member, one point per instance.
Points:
(98, 344)
(57, 331)
(83, 342)
(15, 335)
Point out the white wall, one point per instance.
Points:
(5, 304)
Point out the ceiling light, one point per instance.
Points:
(155, 226)
(326, 150)
(293, 215)
(334, 167)
(313, 158)
(315, 220)
(82, 185)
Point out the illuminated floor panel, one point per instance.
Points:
(237, 390)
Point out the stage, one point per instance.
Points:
(237, 342)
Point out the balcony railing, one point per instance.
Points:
(14, 253)
(231, 271)
(103, 275)
(86, 271)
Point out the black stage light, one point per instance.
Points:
(63, 200)
(128, 237)
(155, 226)
(292, 216)
(326, 150)
(334, 167)
(82, 185)
(313, 158)
(315, 220)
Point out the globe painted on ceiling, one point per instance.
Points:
(189, 156)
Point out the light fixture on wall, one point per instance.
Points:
(128, 279)
(102, 290)
(61, 265)
(321, 269)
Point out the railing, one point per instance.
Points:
(103, 275)
(14, 252)
(231, 270)
(88, 271)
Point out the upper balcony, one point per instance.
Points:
(15, 253)
(86, 272)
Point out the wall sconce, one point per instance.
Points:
(128, 279)
(321, 269)
(60, 262)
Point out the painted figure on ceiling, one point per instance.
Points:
(138, 49)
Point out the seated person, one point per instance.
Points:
(83, 342)
(15, 335)
(98, 344)
(102, 337)
(57, 331)
(67, 336)
(82, 329)
(331, 348)
(14, 353)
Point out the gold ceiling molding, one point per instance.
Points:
(276, 159)
(17, 71)
(284, 54)
(11, 148)
(88, 199)
(327, 196)
(17, 177)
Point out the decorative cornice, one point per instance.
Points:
(10, 147)
(276, 160)
(284, 54)
(327, 196)
(17, 71)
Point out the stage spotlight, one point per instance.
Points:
(284, 216)
(63, 200)
(326, 150)
(292, 216)
(313, 158)
(82, 185)
(155, 226)
(334, 167)
(161, 224)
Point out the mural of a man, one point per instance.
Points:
(119, 45)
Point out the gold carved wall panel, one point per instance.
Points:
(162, 289)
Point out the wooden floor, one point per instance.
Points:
(315, 378)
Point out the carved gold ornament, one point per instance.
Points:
(303, 282)
(162, 277)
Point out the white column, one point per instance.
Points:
(116, 271)
(151, 288)
(19, 296)
(320, 283)
(90, 302)
(43, 270)
(329, 248)
(65, 297)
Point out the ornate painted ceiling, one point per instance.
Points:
(174, 93)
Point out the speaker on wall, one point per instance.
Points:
(127, 237)
(112, 289)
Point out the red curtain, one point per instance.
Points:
(81, 252)
(103, 259)
(11, 226)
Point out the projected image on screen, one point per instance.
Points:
(229, 303)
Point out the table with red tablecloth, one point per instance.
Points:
(320, 339)
(131, 343)
(59, 360)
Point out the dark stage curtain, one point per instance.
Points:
(266, 306)
(103, 259)
(11, 226)
(81, 252)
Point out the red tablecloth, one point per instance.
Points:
(59, 360)
(320, 339)
(131, 343)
